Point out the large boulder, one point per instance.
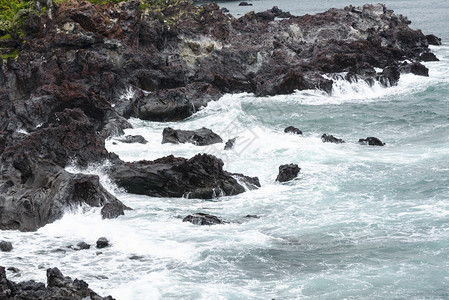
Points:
(199, 137)
(202, 177)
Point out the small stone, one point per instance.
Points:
(203, 219)
(136, 257)
(244, 3)
(5, 246)
(102, 243)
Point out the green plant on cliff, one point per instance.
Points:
(13, 14)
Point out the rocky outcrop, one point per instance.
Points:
(372, 141)
(204, 219)
(199, 137)
(287, 172)
(58, 287)
(84, 69)
(201, 177)
(331, 139)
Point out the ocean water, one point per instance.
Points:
(359, 222)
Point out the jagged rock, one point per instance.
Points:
(428, 56)
(199, 137)
(102, 243)
(331, 139)
(244, 3)
(202, 177)
(58, 287)
(287, 172)
(5, 246)
(294, 130)
(433, 40)
(415, 68)
(113, 209)
(230, 144)
(203, 219)
(129, 139)
(372, 141)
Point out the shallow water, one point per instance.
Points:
(360, 222)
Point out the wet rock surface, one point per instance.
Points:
(371, 141)
(58, 287)
(203, 219)
(331, 139)
(201, 177)
(288, 172)
(199, 137)
(293, 130)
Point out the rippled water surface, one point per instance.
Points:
(359, 222)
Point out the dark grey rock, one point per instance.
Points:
(372, 141)
(294, 130)
(287, 172)
(331, 139)
(129, 139)
(230, 144)
(203, 219)
(199, 137)
(102, 243)
(5, 246)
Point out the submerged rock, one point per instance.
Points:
(129, 139)
(287, 172)
(203, 219)
(58, 287)
(331, 139)
(294, 130)
(372, 141)
(199, 137)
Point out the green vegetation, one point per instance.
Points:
(13, 14)
(13, 54)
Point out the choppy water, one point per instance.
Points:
(360, 222)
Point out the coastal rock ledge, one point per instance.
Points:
(58, 287)
(77, 72)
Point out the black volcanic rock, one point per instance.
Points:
(102, 243)
(287, 172)
(203, 219)
(58, 287)
(129, 139)
(294, 130)
(199, 137)
(331, 139)
(230, 144)
(372, 141)
(5, 246)
(202, 177)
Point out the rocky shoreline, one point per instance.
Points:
(82, 70)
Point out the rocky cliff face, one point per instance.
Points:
(83, 69)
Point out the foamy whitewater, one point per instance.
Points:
(359, 222)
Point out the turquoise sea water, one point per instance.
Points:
(360, 222)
